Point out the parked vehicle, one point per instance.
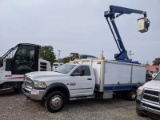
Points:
(74, 56)
(19, 60)
(148, 98)
(154, 74)
(90, 78)
(56, 64)
(83, 79)
(148, 77)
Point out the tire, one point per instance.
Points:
(139, 112)
(124, 94)
(131, 95)
(55, 101)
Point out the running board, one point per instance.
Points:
(83, 97)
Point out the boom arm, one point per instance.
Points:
(111, 14)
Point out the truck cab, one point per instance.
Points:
(19, 60)
(148, 99)
(66, 82)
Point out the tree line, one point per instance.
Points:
(47, 53)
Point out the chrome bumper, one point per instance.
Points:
(148, 108)
(32, 93)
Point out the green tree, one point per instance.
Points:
(47, 53)
(156, 61)
(65, 60)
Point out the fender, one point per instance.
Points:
(57, 86)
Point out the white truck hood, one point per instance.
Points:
(40, 74)
(153, 84)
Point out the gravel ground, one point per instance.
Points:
(17, 107)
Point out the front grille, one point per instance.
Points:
(28, 82)
(152, 107)
(28, 79)
(151, 92)
(151, 101)
(154, 116)
(26, 91)
(152, 96)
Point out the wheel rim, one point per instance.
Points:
(133, 95)
(56, 102)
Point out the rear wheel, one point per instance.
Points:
(124, 94)
(131, 95)
(55, 101)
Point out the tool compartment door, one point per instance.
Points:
(116, 73)
(138, 74)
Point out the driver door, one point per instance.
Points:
(81, 84)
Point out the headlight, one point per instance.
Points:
(39, 84)
(139, 93)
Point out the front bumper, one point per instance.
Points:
(34, 94)
(148, 108)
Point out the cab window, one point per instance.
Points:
(85, 68)
(157, 77)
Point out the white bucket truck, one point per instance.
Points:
(83, 79)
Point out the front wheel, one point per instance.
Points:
(55, 101)
(131, 95)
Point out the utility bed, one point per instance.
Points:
(115, 76)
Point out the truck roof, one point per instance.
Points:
(27, 44)
(17, 46)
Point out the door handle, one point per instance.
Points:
(89, 78)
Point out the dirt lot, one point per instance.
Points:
(16, 107)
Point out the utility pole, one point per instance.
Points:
(102, 57)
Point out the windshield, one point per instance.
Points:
(10, 53)
(66, 68)
(157, 77)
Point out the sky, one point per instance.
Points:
(79, 26)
